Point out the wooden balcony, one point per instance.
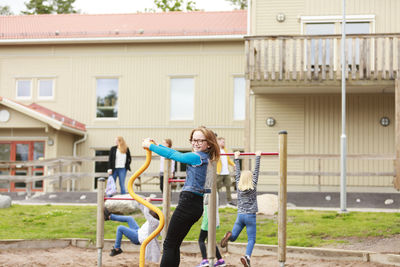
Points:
(306, 58)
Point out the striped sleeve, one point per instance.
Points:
(256, 171)
(237, 171)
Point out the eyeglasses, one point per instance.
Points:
(197, 141)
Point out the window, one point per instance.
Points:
(355, 28)
(320, 29)
(45, 89)
(100, 166)
(24, 89)
(107, 97)
(182, 99)
(239, 99)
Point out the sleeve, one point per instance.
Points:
(128, 159)
(188, 158)
(110, 158)
(237, 171)
(173, 166)
(256, 171)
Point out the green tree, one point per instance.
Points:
(5, 11)
(173, 5)
(49, 7)
(238, 4)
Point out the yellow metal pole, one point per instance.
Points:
(147, 204)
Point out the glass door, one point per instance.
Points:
(21, 151)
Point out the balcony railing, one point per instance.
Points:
(318, 57)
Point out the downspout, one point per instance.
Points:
(74, 154)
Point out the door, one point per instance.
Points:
(21, 151)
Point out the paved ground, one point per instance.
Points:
(295, 199)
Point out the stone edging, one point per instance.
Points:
(234, 248)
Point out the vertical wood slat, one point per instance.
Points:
(331, 64)
(265, 60)
(323, 70)
(338, 59)
(246, 51)
(273, 44)
(398, 58)
(302, 41)
(251, 60)
(391, 58)
(353, 58)
(258, 60)
(294, 60)
(308, 50)
(316, 60)
(375, 58)
(281, 52)
(383, 58)
(347, 61)
(362, 55)
(286, 57)
(368, 58)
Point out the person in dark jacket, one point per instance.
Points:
(119, 161)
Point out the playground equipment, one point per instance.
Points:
(100, 214)
(211, 171)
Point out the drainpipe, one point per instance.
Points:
(74, 154)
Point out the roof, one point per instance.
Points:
(54, 119)
(59, 26)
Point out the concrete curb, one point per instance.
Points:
(191, 247)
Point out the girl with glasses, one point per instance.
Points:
(190, 205)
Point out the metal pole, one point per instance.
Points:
(166, 197)
(212, 212)
(100, 219)
(282, 214)
(343, 136)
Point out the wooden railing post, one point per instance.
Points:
(396, 181)
(282, 198)
(100, 219)
(166, 197)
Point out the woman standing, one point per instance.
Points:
(119, 162)
(190, 205)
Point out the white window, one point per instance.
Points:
(320, 29)
(46, 89)
(107, 98)
(24, 89)
(355, 28)
(239, 99)
(182, 98)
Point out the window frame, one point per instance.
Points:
(118, 78)
(171, 77)
(30, 89)
(52, 89)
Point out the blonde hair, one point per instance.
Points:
(168, 142)
(211, 139)
(246, 181)
(122, 147)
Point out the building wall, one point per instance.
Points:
(144, 72)
(313, 123)
(264, 14)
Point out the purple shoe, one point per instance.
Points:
(220, 263)
(204, 263)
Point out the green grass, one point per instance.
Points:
(305, 228)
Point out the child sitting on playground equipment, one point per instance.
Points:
(135, 233)
(246, 183)
(204, 234)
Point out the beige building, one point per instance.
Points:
(136, 76)
(245, 74)
(294, 83)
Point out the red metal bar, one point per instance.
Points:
(176, 180)
(151, 199)
(251, 154)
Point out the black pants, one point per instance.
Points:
(202, 237)
(188, 211)
(161, 181)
